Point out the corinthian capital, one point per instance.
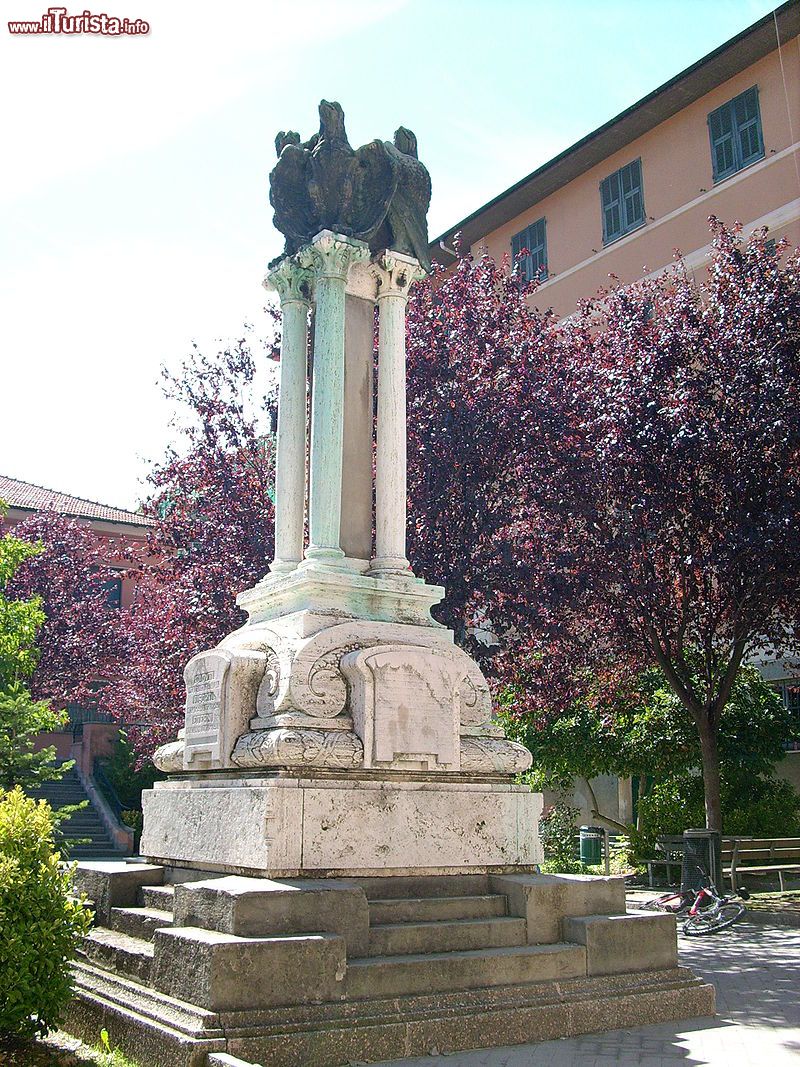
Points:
(290, 281)
(395, 273)
(331, 255)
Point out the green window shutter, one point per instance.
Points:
(538, 249)
(748, 127)
(632, 199)
(534, 241)
(612, 207)
(622, 201)
(735, 133)
(720, 128)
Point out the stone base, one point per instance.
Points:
(284, 827)
(324, 972)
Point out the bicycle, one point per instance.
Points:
(710, 912)
(704, 910)
(675, 903)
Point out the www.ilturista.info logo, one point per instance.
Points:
(56, 20)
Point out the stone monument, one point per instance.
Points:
(340, 864)
(370, 731)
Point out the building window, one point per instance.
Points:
(533, 241)
(622, 200)
(113, 590)
(735, 132)
(790, 691)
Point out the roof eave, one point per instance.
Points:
(729, 59)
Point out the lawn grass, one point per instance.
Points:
(62, 1050)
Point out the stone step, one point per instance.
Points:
(140, 922)
(160, 897)
(438, 972)
(436, 909)
(438, 885)
(118, 952)
(454, 935)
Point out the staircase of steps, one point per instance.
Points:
(125, 947)
(461, 939)
(85, 825)
(417, 944)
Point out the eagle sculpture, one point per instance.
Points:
(379, 193)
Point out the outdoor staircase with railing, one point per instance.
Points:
(84, 834)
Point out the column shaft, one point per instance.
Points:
(292, 283)
(395, 274)
(330, 257)
(390, 471)
(290, 475)
(327, 415)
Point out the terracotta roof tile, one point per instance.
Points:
(31, 497)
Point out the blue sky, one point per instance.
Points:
(134, 192)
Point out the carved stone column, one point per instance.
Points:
(329, 258)
(395, 273)
(293, 285)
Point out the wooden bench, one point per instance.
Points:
(760, 855)
(671, 848)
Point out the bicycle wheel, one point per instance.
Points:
(709, 922)
(672, 904)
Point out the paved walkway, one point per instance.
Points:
(756, 969)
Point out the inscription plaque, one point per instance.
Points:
(205, 676)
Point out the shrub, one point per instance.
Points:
(752, 805)
(761, 807)
(41, 921)
(557, 833)
(564, 867)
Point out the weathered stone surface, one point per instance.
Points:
(222, 972)
(259, 907)
(619, 944)
(297, 746)
(405, 703)
(114, 884)
(289, 827)
(545, 899)
(457, 935)
(441, 972)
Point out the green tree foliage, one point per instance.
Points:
(41, 921)
(647, 732)
(21, 717)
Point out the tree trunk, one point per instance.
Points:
(711, 779)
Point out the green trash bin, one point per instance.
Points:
(591, 838)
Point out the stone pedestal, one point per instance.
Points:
(330, 827)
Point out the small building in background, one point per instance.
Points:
(90, 734)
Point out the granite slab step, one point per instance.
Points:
(160, 897)
(455, 935)
(436, 909)
(140, 922)
(118, 952)
(439, 972)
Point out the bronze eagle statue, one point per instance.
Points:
(379, 193)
